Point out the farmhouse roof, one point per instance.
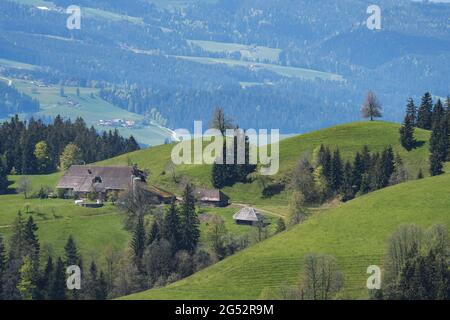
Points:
(248, 214)
(212, 195)
(99, 179)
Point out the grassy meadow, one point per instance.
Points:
(356, 233)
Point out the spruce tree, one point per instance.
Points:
(45, 280)
(71, 252)
(411, 111)
(32, 242)
(4, 183)
(58, 282)
(172, 228)
(347, 182)
(407, 133)
(358, 171)
(190, 232)
(438, 114)
(436, 165)
(102, 287)
(336, 171)
(439, 146)
(424, 113)
(139, 240)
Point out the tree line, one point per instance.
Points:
(23, 276)
(33, 147)
(327, 175)
(429, 117)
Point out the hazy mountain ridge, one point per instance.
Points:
(319, 35)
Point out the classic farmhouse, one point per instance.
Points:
(82, 180)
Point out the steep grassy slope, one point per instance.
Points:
(349, 137)
(355, 233)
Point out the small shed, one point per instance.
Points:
(213, 197)
(249, 216)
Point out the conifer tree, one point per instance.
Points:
(45, 280)
(58, 282)
(26, 285)
(172, 228)
(347, 182)
(411, 111)
(407, 133)
(139, 240)
(336, 171)
(439, 146)
(4, 183)
(438, 114)
(71, 252)
(424, 113)
(190, 224)
(358, 171)
(32, 242)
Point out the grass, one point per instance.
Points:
(291, 72)
(95, 230)
(246, 51)
(91, 108)
(349, 137)
(356, 233)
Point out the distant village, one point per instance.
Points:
(118, 123)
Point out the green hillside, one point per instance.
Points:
(349, 137)
(90, 106)
(355, 233)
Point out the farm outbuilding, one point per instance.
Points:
(212, 197)
(248, 215)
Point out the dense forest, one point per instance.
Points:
(32, 147)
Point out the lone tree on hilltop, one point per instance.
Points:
(371, 107)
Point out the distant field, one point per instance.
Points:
(246, 51)
(17, 65)
(356, 233)
(91, 108)
(291, 72)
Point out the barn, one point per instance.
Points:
(249, 216)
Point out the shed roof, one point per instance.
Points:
(248, 214)
(210, 195)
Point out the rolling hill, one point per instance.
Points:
(349, 137)
(355, 233)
